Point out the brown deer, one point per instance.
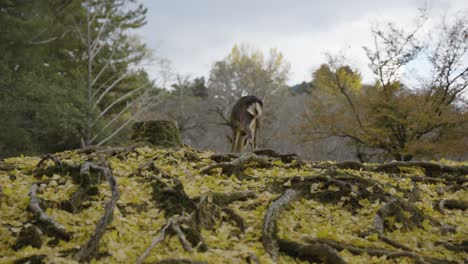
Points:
(245, 122)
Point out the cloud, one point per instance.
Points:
(195, 34)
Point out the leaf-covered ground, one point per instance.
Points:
(149, 205)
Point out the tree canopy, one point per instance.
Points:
(398, 119)
(63, 64)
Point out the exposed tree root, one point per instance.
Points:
(30, 235)
(269, 235)
(450, 188)
(90, 248)
(223, 157)
(45, 222)
(113, 151)
(232, 163)
(149, 165)
(87, 188)
(404, 213)
(199, 213)
(375, 251)
(35, 259)
(171, 198)
(58, 168)
(332, 186)
(317, 252)
(180, 261)
(252, 259)
(357, 188)
(6, 167)
(236, 167)
(462, 247)
(286, 158)
(451, 205)
(75, 203)
(431, 169)
(224, 199)
(237, 219)
(187, 216)
(171, 226)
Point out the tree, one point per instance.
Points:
(246, 71)
(389, 116)
(187, 104)
(48, 77)
(39, 102)
(111, 55)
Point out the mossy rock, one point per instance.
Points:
(157, 132)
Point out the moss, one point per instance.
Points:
(158, 132)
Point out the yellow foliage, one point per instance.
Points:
(137, 219)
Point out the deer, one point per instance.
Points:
(245, 122)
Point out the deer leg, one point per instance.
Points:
(237, 145)
(231, 142)
(241, 142)
(251, 133)
(255, 134)
(234, 142)
(249, 137)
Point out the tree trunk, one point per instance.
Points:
(158, 132)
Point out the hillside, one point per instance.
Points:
(162, 205)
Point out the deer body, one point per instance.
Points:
(245, 122)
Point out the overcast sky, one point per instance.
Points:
(193, 34)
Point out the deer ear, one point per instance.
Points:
(229, 139)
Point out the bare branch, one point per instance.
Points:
(125, 124)
(121, 98)
(108, 89)
(108, 62)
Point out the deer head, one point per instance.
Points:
(245, 122)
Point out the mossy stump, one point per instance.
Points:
(157, 132)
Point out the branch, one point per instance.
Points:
(108, 62)
(220, 112)
(121, 98)
(113, 119)
(82, 38)
(108, 89)
(126, 123)
(101, 29)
